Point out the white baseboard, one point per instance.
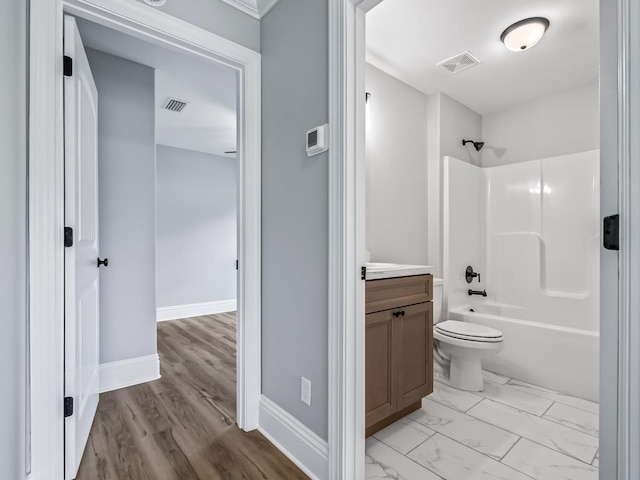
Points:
(196, 310)
(303, 447)
(125, 373)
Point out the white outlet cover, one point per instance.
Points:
(305, 390)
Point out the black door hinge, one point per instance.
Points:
(237, 264)
(68, 237)
(611, 232)
(68, 66)
(363, 273)
(68, 406)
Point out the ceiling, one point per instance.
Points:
(208, 123)
(407, 38)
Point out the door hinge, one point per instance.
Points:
(363, 273)
(68, 406)
(68, 66)
(68, 237)
(237, 264)
(611, 232)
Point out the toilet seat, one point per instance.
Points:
(471, 332)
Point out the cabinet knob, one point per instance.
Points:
(398, 314)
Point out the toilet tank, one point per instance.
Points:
(437, 299)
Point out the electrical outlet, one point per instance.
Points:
(305, 390)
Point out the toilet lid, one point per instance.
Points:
(468, 331)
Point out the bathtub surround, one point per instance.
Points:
(536, 244)
(486, 436)
(127, 189)
(196, 229)
(464, 231)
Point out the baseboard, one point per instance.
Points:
(196, 310)
(303, 447)
(125, 373)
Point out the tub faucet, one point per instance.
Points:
(469, 274)
(477, 292)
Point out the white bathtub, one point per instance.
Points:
(559, 358)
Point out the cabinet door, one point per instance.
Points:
(413, 352)
(380, 394)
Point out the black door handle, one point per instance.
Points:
(398, 314)
(104, 262)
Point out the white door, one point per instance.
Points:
(81, 266)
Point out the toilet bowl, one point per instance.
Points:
(462, 346)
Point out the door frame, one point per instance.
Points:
(46, 205)
(620, 305)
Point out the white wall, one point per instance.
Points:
(127, 194)
(567, 122)
(396, 170)
(197, 227)
(13, 238)
(457, 122)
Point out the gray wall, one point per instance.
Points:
(219, 18)
(295, 209)
(567, 122)
(396, 170)
(197, 227)
(13, 218)
(127, 193)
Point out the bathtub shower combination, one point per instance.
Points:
(532, 230)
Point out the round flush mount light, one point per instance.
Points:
(524, 34)
(155, 3)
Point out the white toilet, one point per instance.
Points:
(462, 345)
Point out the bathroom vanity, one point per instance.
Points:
(399, 342)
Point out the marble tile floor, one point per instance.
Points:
(510, 431)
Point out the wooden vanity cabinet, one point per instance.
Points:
(399, 348)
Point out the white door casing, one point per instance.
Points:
(45, 444)
(81, 269)
(619, 64)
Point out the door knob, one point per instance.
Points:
(104, 262)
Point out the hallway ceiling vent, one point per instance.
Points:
(174, 104)
(459, 62)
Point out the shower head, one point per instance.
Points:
(477, 145)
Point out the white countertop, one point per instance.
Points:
(377, 271)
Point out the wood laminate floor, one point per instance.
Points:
(182, 427)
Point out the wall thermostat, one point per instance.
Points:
(317, 141)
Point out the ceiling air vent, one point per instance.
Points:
(174, 105)
(459, 62)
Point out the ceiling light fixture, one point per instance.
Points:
(524, 34)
